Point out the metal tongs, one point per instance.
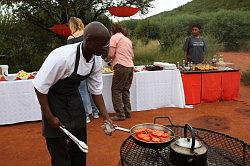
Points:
(80, 144)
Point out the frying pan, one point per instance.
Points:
(79, 143)
(152, 126)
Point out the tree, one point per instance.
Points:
(24, 33)
(45, 13)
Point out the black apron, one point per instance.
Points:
(65, 102)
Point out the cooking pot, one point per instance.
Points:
(188, 152)
(155, 145)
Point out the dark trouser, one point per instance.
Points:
(64, 152)
(122, 80)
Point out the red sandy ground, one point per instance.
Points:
(22, 144)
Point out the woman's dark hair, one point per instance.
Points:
(197, 26)
(117, 28)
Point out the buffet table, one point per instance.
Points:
(211, 86)
(149, 90)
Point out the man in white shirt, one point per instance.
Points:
(56, 85)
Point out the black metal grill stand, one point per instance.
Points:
(223, 150)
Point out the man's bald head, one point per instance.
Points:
(96, 37)
(96, 30)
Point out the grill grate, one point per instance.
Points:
(223, 150)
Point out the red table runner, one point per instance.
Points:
(209, 87)
(192, 88)
(230, 85)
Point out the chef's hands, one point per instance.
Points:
(108, 127)
(55, 122)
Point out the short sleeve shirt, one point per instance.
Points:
(60, 64)
(124, 54)
(195, 48)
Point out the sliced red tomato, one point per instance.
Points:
(140, 136)
(158, 133)
(165, 135)
(142, 130)
(155, 132)
(150, 135)
(149, 130)
(155, 139)
(147, 138)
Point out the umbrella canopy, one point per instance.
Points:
(122, 11)
(61, 29)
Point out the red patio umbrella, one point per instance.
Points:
(61, 29)
(122, 11)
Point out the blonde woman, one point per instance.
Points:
(76, 27)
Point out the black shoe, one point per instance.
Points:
(118, 118)
(127, 115)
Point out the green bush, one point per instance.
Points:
(154, 39)
(176, 27)
(147, 53)
(153, 52)
(175, 53)
(245, 77)
(231, 28)
(26, 44)
(175, 30)
(131, 26)
(147, 31)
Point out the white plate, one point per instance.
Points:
(10, 77)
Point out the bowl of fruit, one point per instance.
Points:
(22, 75)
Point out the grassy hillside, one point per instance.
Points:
(200, 6)
(225, 27)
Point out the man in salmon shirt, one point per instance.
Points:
(121, 55)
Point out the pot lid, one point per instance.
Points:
(187, 142)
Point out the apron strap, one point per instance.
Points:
(77, 61)
(92, 67)
(77, 58)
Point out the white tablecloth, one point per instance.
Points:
(18, 102)
(149, 90)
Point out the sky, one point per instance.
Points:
(159, 6)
